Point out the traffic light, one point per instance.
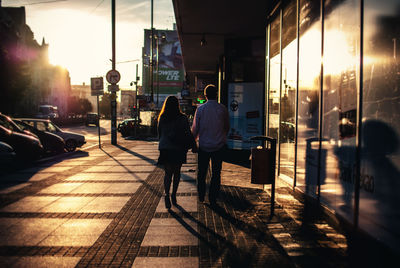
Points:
(201, 101)
(134, 112)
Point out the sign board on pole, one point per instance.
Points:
(97, 86)
(113, 88)
(113, 76)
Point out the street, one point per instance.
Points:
(91, 133)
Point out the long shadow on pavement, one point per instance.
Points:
(230, 249)
(151, 161)
(145, 184)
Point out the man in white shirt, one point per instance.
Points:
(210, 127)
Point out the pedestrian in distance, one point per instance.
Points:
(210, 127)
(175, 139)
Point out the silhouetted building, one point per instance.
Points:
(26, 77)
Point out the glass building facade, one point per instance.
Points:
(333, 103)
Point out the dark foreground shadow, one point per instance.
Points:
(231, 235)
(238, 157)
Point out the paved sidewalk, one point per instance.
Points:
(104, 208)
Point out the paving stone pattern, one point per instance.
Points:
(104, 208)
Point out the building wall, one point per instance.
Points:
(127, 103)
(84, 92)
(26, 77)
(60, 89)
(333, 90)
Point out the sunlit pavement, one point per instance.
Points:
(104, 207)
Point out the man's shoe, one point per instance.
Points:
(173, 199)
(167, 202)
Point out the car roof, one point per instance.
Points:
(34, 119)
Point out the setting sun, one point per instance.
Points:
(79, 43)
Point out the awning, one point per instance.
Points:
(204, 25)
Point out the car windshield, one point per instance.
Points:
(7, 123)
(20, 124)
(52, 128)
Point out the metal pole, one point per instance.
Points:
(113, 99)
(273, 149)
(136, 88)
(151, 56)
(136, 103)
(158, 82)
(98, 123)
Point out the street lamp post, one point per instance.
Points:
(151, 56)
(157, 38)
(113, 101)
(158, 82)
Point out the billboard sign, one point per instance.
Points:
(245, 104)
(170, 75)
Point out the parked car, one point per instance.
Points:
(8, 123)
(52, 143)
(7, 154)
(92, 119)
(72, 140)
(47, 111)
(127, 127)
(26, 147)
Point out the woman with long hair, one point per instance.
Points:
(175, 138)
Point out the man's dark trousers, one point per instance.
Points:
(216, 166)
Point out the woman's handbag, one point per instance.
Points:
(183, 136)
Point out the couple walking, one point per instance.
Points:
(210, 127)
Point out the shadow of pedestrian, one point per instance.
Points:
(228, 251)
(151, 161)
(151, 188)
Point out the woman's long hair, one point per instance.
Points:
(170, 109)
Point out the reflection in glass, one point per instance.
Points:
(380, 166)
(308, 96)
(340, 86)
(274, 84)
(288, 90)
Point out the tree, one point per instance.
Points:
(85, 106)
(105, 105)
(79, 105)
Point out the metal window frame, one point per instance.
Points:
(297, 93)
(320, 105)
(357, 178)
(267, 77)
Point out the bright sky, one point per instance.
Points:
(79, 33)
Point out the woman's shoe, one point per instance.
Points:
(167, 202)
(173, 199)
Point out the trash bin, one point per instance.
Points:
(263, 160)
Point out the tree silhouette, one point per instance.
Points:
(105, 105)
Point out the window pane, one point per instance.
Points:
(41, 126)
(308, 99)
(274, 84)
(380, 166)
(288, 90)
(51, 128)
(340, 86)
